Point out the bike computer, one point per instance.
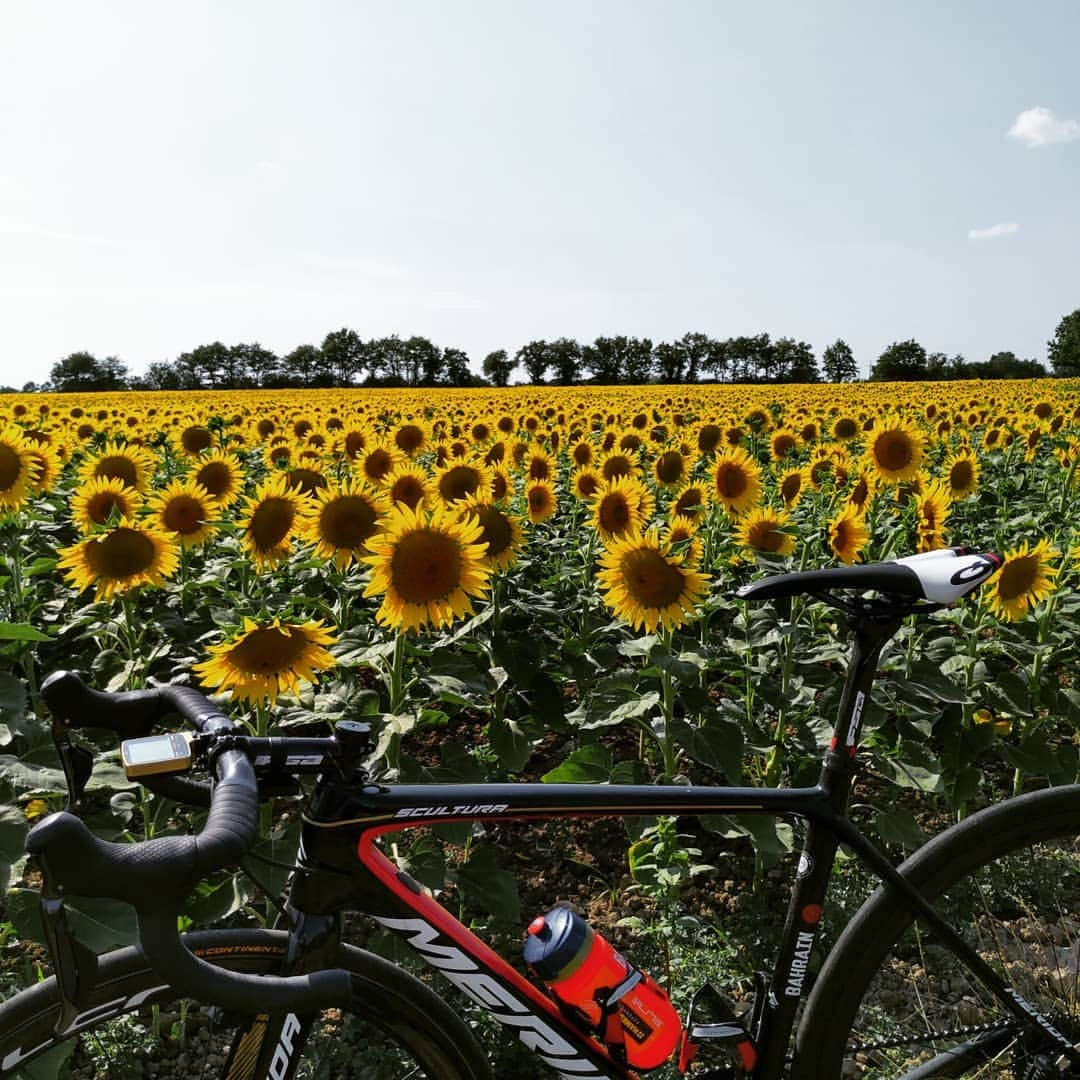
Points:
(155, 754)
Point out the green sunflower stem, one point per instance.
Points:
(397, 676)
(667, 704)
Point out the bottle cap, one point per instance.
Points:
(555, 942)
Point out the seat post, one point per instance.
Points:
(872, 631)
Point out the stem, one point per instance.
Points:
(667, 686)
(397, 669)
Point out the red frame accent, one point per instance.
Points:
(384, 871)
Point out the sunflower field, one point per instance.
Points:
(538, 583)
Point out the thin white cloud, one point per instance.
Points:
(1040, 127)
(1003, 228)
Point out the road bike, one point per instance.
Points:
(964, 962)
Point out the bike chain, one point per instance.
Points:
(952, 1033)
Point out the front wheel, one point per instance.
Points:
(892, 1002)
(393, 1028)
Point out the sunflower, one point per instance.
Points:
(410, 438)
(408, 484)
(618, 463)
(45, 465)
(621, 506)
(222, 476)
(679, 530)
(307, 479)
(646, 585)
(848, 535)
(540, 466)
(895, 449)
(195, 438)
(185, 511)
(709, 437)
(500, 532)
(134, 465)
(119, 560)
(692, 501)
(272, 513)
(502, 484)
(736, 480)
(540, 498)
(582, 453)
(671, 468)
(763, 530)
(845, 427)
(862, 489)
(1024, 578)
(460, 480)
(426, 566)
(783, 443)
(267, 659)
(586, 482)
(341, 518)
(101, 500)
(378, 461)
(962, 473)
(932, 508)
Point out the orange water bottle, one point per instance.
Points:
(623, 1004)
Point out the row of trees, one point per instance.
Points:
(345, 359)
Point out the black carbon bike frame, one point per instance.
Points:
(341, 867)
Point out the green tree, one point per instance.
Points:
(343, 357)
(256, 366)
(303, 366)
(792, 361)
(670, 362)
(534, 359)
(455, 363)
(1063, 349)
(82, 371)
(901, 361)
(564, 355)
(497, 367)
(839, 363)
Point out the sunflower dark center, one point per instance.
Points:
(845, 428)
(216, 477)
(378, 463)
(268, 650)
(1018, 577)
(614, 513)
(765, 536)
(348, 521)
(355, 442)
(893, 450)
(961, 475)
(307, 480)
(11, 467)
(271, 521)
(731, 480)
(184, 514)
(117, 467)
(691, 502)
(425, 566)
(102, 503)
(409, 438)
(497, 533)
(670, 467)
(122, 554)
(195, 439)
(458, 482)
(650, 580)
(615, 466)
(582, 454)
(587, 484)
(539, 469)
(407, 489)
(709, 438)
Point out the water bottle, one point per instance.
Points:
(581, 969)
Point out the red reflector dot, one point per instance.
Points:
(811, 914)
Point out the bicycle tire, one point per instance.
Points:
(1014, 870)
(397, 1005)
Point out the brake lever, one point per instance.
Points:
(77, 763)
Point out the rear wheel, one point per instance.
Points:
(892, 1002)
(394, 1027)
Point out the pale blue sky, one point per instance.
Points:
(486, 173)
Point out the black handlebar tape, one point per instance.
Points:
(235, 991)
(180, 789)
(130, 713)
(156, 873)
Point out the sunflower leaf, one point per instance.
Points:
(21, 632)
